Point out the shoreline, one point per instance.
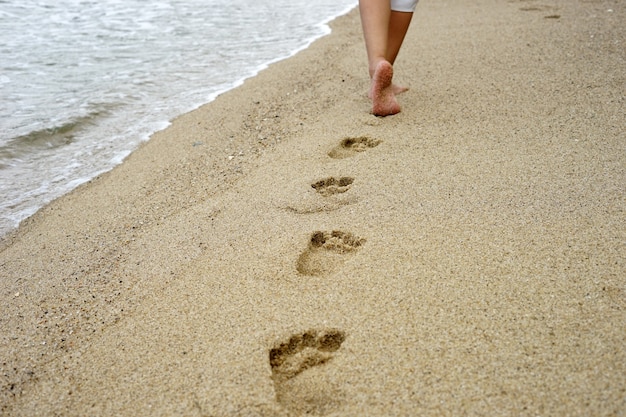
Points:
(149, 128)
(469, 259)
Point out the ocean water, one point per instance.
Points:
(83, 83)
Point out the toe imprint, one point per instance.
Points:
(327, 251)
(351, 146)
(330, 186)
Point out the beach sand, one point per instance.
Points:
(282, 252)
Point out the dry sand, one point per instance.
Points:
(464, 257)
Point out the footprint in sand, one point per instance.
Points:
(331, 189)
(332, 185)
(542, 8)
(301, 379)
(327, 251)
(351, 146)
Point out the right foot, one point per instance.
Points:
(397, 89)
(384, 101)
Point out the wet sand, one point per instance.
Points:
(282, 252)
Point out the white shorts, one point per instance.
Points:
(403, 5)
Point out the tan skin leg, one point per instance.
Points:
(384, 31)
(398, 26)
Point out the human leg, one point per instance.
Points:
(398, 26)
(375, 17)
(384, 30)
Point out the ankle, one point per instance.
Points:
(374, 65)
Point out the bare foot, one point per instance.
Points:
(384, 101)
(397, 89)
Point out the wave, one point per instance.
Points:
(50, 138)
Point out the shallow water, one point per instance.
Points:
(82, 83)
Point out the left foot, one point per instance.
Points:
(384, 101)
